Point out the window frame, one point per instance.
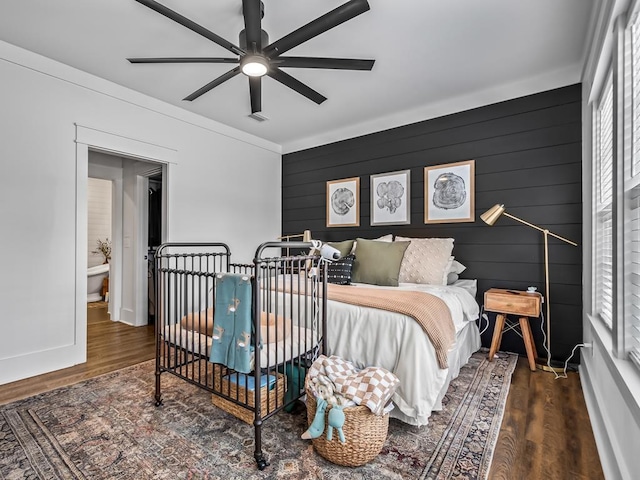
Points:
(622, 82)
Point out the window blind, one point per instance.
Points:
(603, 136)
(632, 212)
(635, 87)
(632, 285)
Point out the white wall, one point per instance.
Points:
(99, 217)
(223, 185)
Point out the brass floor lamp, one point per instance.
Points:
(490, 217)
(306, 236)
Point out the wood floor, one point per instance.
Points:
(545, 434)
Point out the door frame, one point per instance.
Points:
(88, 138)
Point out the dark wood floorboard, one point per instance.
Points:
(545, 432)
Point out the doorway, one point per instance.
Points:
(137, 228)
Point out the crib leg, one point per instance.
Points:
(257, 454)
(158, 395)
(261, 461)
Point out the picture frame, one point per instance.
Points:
(343, 202)
(390, 198)
(449, 192)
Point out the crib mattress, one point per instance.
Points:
(299, 342)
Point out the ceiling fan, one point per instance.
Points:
(257, 57)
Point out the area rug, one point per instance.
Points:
(109, 428)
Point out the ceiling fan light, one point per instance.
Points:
(254, 66)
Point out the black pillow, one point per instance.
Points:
(339, 272)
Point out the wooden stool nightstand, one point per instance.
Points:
(513, 302)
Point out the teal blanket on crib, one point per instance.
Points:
(232, 321)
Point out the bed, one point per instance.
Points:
(368, 336)
(395, 341)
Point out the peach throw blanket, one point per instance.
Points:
(431, 313)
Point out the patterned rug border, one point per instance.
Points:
(38, 433)
(446, 464)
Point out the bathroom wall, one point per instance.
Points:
(99, 217)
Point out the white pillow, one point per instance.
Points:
(456, 267)
(447, 269)
(385, 238)
(452, 277)
(426, 260)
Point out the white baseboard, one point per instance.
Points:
(37, 363)
(603, 442)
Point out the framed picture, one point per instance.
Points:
(343, 202)
(390, 197)
(449, 192)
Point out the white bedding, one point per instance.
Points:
(470, 286)
(368, 336)
(270, 353)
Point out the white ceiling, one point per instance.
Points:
(433, 57)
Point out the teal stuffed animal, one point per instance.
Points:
(336, 420)
(317, 426)
(325, 397)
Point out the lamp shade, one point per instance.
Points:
(493, 214)
(306, 236)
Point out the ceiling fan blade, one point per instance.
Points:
(255, 92)
(314, 28)
(191, 25)
(296, 85)
(252, 18)
(320, 62)
(184, 60)
(213, 84)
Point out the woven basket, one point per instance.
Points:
(365, 434)
(269, 400)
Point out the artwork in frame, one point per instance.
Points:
(390, 198)
(343, 202)
(449, 192)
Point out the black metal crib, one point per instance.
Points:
(288, 290)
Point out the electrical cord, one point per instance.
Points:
(314, 275)
(544, 344)
(486, 318)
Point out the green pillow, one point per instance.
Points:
(344, 247)
(378, 263)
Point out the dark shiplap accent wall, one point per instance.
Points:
(527, 154)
